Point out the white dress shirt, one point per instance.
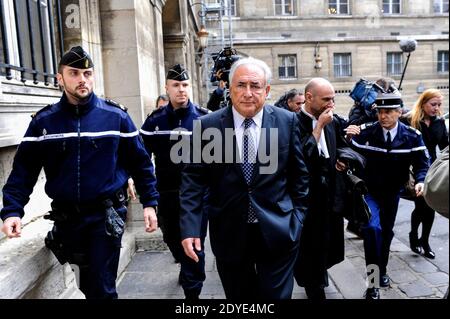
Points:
(255, 129)
(393, 132)
(322, 144)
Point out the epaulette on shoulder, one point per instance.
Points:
(156, 111)
(203, 109)
(43, 109)
(115, 104)
(414, 130)
(367, 125)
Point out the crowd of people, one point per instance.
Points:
(267, 230)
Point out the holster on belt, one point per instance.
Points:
(114, 224)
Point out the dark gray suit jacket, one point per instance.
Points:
(279, 198)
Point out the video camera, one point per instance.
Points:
(365, 92)
(222, 62)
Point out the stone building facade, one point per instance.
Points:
(354, 39)
(133, 42)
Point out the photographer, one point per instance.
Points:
(358, 114)
(222, 64)
(216, 98)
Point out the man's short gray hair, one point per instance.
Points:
(259, 63)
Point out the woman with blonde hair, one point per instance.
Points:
(425, 117)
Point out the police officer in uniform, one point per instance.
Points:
(390, 147)
(88, 148)
(175, 119)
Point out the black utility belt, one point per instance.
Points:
(63, 210)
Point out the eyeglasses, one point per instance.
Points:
(254, 87)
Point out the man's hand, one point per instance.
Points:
(325, 118)
(352, 130)
(340, 166)
(419, 189)
(151, 222)
(189, 244)
(12, 227)
(131, 192)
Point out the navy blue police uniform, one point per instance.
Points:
(162, 129)
(387, 171)
(88, 152)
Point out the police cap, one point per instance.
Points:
(388, 101)
(77, 58)
(177, 73)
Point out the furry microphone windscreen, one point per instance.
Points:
(408, 45)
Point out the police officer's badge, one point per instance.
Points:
(86, 63)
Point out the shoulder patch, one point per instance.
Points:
(414, 130)
(203, 110)
(367, 125)
(156, 111)
(115, 104)
(43, 109)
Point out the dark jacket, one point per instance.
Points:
(388, 170)
(433, 135)
(87, 152)
(322, 241)
(216, 100)
(156, 131)
(359, 115)
(279, 198)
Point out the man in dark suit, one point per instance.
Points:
(255, 211)
(322, 241)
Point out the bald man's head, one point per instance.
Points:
(314, 83)
(319, 96)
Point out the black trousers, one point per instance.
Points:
(261, 275)
(192, 274)
(422, 214)
(86, 237)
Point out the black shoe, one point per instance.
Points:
(414, 243)
(191, 297)
(427, 252)
(372, 293)
(385, 281)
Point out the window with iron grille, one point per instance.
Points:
(284, 7)
(28, 40)
(338, 7)
(391, 7)
(394, 62)
(440, 6)
(342, 64)
(225, 5)
(287, 66)
(442, 62)
(232, 4)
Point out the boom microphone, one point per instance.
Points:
(408, 45)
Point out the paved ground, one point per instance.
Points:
(154, 275)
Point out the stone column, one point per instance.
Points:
(132, 54)
(81, 26)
